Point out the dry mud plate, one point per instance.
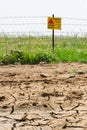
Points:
(43, 97)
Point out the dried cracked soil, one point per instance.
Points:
(43, 97)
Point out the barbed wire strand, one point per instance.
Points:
(44, 32)
(22, 17)
(25, 17)
(79, 19)
(13, 24)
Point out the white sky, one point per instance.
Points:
(61, 8)
(70, 8)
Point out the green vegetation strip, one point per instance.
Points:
(33, 50)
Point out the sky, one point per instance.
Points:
(70, 8)
(60, 8)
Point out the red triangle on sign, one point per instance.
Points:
(51, 21)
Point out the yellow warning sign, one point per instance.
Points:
(54, 23)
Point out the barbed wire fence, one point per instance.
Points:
(36, 26)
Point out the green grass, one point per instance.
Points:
(33, 50)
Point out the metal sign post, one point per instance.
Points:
(54, 23)
(53, 36)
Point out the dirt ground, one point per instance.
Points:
(43, 97)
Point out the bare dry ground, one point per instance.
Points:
(43, 97)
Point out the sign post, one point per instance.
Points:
(53, 36)
(54, 23)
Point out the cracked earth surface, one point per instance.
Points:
(43, 97)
